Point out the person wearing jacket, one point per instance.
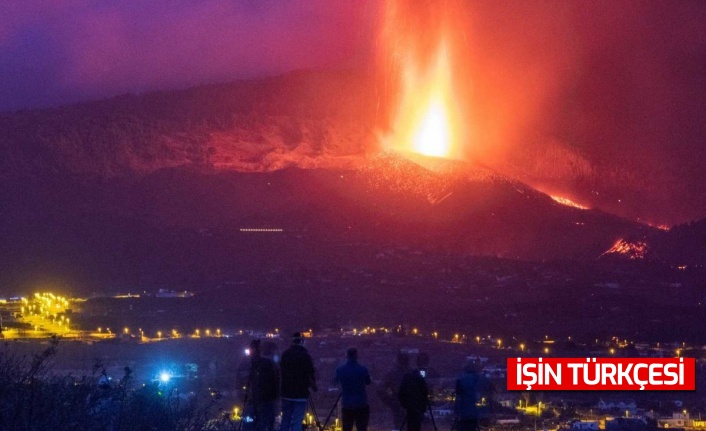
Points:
(297, 376)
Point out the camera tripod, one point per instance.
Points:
(431, 415)
(319, 425)
(246, 397)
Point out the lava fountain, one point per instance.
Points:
(424, 93)
(428, 109)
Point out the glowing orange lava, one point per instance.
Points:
(663, 227)
(568, 202)
(434, 135)
(632, 250)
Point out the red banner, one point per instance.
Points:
(601, 374)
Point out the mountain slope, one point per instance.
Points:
(268, 124)
(183, 226)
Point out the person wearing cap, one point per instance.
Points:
(353, 378)
(298, 376)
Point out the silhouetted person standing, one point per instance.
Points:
(298, 376)
(471, 387)
(414, 398)
(389, 391)
(264, 389)
(353, 379)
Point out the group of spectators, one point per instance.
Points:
(405, 390)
